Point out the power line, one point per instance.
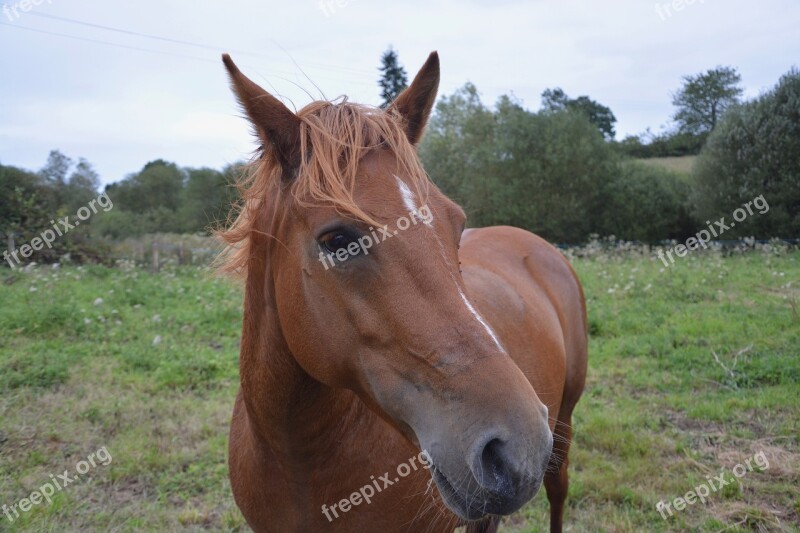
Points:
(107, 43)
(218, 49)
(148, 50)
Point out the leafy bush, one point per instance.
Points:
(669, 144)
(755, 150)
(541, 171)
(647, 203)
(31, 203)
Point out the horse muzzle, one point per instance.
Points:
(498, 476)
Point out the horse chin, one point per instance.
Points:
(478, 504)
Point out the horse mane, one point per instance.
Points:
(334, 137)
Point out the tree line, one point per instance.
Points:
(556, 171)
(161, 198)
(560, 172)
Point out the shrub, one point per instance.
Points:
(647, 203)
(542, 171)
(755, 150)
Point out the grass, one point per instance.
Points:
(683, 164)
(146, 366)
(660, 414)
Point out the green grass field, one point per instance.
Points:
(146, 366)
(683, 165)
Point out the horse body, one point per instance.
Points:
(348, 373)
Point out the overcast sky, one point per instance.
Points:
(141, 98)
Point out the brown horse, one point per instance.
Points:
(362, 346)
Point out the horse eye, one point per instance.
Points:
(335, 241)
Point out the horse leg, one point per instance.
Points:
(487, 525)
(556, 480)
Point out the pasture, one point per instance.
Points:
(692, 369)
(683, 164)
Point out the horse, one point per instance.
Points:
(457, 354)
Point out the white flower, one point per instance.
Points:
(98, 301)
(157, 340)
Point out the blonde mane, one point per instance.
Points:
(334, 138)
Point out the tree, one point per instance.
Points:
(81, 187)
(755, 152)
(159, 184)
(25, 205)
(154, 195)
(554, 100)
(459, 155)
(704, 98)
(665, 144)
(55, 173)
(393, 77)
(56, 169)
(636, 191)
(555, 168)
(207, 198)
(542, 171)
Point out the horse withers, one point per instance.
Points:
(467, 348)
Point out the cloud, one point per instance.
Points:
(120, 107)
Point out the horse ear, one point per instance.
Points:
(277, 127)
(415, 103)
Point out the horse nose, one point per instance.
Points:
(509, 470)
(494, 469)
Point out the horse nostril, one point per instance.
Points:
(493, 471)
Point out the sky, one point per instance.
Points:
(156, 88)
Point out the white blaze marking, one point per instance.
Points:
(480, 319)
(411, 206)
(408, 201)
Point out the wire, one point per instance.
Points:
(273, 73)
(97, 41)
(187, 43)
